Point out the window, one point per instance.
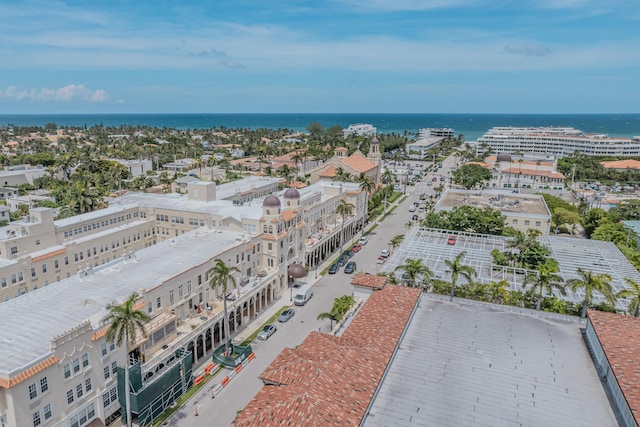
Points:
(33, 272)
(171, 297)
(105, 400)
(33, 393)
(149, 307)
(514, 222)
(85, 360)
(527, 222)
(76, 366)
(44, 268)
(70, 396)
(13, 279)
(112, 346)
(67, 371)
(14, 250)
(66, 260)
(4, 282)
(36, 419)
(114, 394)
(44, 385)
(79, 390)
(20, 276)
(104, 348)
(47, 411)
(56, 264)
(158, 302)
(538, 223)
(87, 385)
(107, 372)
(114, 368)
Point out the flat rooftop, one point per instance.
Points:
(474, 364)
(503, 201)
(32, 320)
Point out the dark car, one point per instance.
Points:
(342, 261)
(415, 218)
(286, 315)
(349, 253)
(350, 267)
(334, 268)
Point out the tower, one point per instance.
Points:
(375, 156)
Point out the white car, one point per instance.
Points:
(385, 253)
(412, 208)
(363, 240)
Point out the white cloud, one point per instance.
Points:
(64, 94)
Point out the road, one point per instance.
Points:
(222, 410)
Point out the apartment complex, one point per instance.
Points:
(426, 133)
(359, 129)
(56, 368)
(557, 142)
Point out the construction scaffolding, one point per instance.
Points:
(151, 397)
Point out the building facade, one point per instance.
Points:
(62, 371)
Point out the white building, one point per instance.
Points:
(436, 133)
(136, 167)
(556, 142)
(56, 367)
(420, 149)
(360, 130)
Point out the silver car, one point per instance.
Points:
(267, 331)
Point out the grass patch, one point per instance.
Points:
(184, 398)
(253, 336)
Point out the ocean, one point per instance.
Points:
(471, 126)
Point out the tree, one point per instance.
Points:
(414, 269)
(591, 283)
(498, 291)
(287, 173)
(545, 279)
(315, 130)
(471, 175)
(366, 184)
(344, 209)
(340, 307)
(219, 277)
(634, 294)
(396, 240)
(387, 177)
(457, 269)
(124, 323)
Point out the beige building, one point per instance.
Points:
(511, 172)
(56, 367)
(354, 164)
(522, 211)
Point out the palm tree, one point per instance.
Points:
(219, 277)
(634, 294)
(591, 283)
(456, 268)
(298, 157)
(124, 323)
(396, 240)
(287, 173)
(413, 269)
(387, 177)
(343, 209)
(545, 279)
(199, 163)
(498, 291)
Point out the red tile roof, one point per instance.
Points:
(28, 373)
(329, 171)
(369, 281)
(330, 381)
(358, 162)
(622, 164)
(619, 337)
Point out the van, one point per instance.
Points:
(303, 295)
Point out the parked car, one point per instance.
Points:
(434, 179)
(451, 240)
(350, 267)
(363, 240)
(342, 261)
(286, 315)
(381, 260)
(349, 253)
(334, 268)
(267, 331)
(412, 208)
(231, 296)
(420, 209)
(385, 253)
(414, 218)
(356, 248)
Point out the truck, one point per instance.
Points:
(303, 295)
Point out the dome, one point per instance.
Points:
(291, 193)
(271, 201)
(296, 271)
(375, 140)
(503, 157)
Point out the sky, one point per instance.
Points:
(321, 56)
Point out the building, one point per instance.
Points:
(614, 341)
(420, 149)
(136, 167)
(409, 359)
(354, 165)
(29, 200)
(360, 130)
(522, 172)
(521, 211)
(55, 365)
(556, 142)
(180, 165)
(426, 133)
(14, 178)
(622, 165)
